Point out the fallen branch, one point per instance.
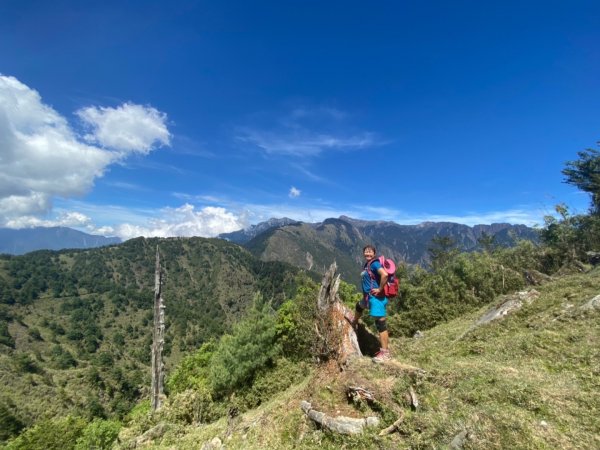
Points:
(339, 424)
(357, 393)
(393, 427)
(414, 401)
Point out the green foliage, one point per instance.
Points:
(295, 321)
(93, 309)
(251, 346)
(584, 173)
(10, 424)
(441, 251)
(348, 294)
(24, 363)
(98, 434)
(54, 434)
(193, 371)
(487, 242)
(462, 283)
(192, 406)
(268, 381)
(5, 337)
(525, 255)
(61, 358)
(567, 238)
(139, 411)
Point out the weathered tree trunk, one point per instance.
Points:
(158, 340)
(336, 338)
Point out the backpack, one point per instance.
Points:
(393, 285)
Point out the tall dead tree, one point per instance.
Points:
(158, 338)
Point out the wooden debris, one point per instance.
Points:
(414, 401)
(339, 424)
(393, 427)
(357, 393)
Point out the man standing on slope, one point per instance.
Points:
(373, 279)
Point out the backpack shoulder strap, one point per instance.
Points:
(368, 267)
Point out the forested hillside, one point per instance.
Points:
(75, 326)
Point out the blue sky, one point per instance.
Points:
(189, 118)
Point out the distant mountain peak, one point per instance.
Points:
(25, 240)
(246, 234)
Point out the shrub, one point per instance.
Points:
(462, 283)
(192, 406)
(5, 337)
(10, 425)
(61, 358)
(270, 381)
(296, 317)
(56, 434)
(192, 372)
(98, 434)
(251, 346)
(34, 333)
(23, 363)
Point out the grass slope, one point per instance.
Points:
(530, 380)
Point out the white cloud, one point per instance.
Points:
(42, 158)
(210, 221)
(294, 192)
(525, 215)
(68, 219)
(184, 221)
(127, 128)
(307, 132)
(304, 143)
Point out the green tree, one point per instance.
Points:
(61, 358)
(487, 242)
(584, 173)
(296, 319)
(251, 346)
(441, 251)
(99, 434)
(23, 363)
(5, 337)
(53, 434)
(10, 425)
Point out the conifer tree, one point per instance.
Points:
(584, 173)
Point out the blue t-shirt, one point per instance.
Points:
(376, 304)
(369, 283)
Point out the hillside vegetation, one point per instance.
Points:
(75, 326)
(526, 380)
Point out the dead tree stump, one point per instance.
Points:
(337, 339)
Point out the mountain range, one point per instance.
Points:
(19, 242)
(314, 246)
(309, 246)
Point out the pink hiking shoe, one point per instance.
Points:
(383, 355)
